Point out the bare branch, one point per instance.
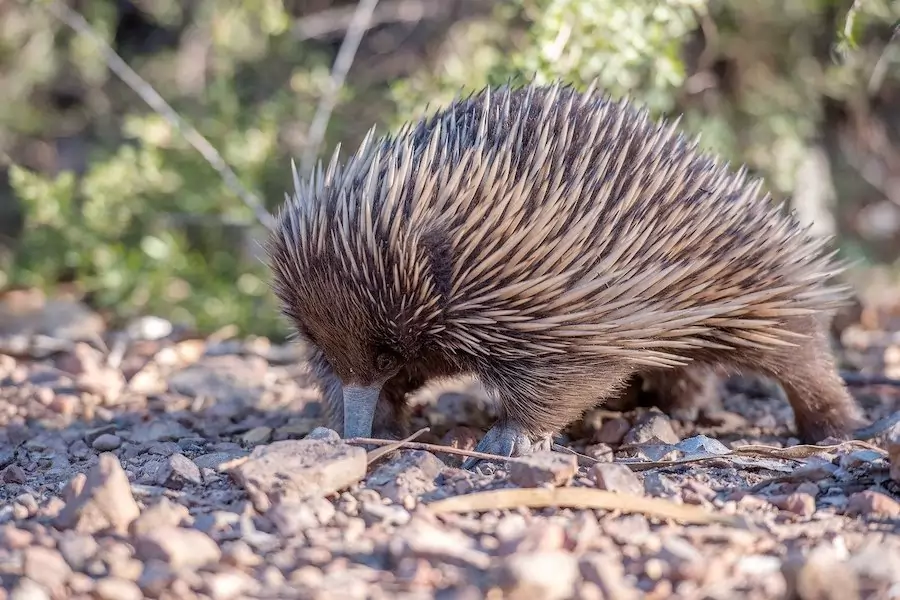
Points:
(337, 19)
(358, 26)
(143, 89)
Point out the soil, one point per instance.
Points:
(150, 463)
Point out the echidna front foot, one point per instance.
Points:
(508, 438)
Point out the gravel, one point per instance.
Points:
(202, 469)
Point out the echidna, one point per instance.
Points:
(554, 243)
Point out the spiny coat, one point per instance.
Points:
(554, 243)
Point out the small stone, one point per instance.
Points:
(893, 448)
(616, 477)
(164, 513)
(423, 539)
(104, 502)
(411, 473)
(116, 588)
(543, 468)
(548, 575)
(178, 471)
(179, 547)
(257, 435)
(607, 574)
(77, 549)
(601, 452)
(214, 460)
(872, 503)
(92, 434)
(650, 427)
(860, 458)
(539, 537)
(227, 586)
(106, 442)
(820, 576)
(45, 566)
(81, 583)
(293, 470)
(15, 538)
(612, 431)
(388, 514)
(292, 518)
(79, 449)
(13, 474)
(324, 434)
(659, 485)
(160, 431)
(798, 503)
(27, 589)
(155, 578)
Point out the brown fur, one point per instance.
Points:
(555, 244)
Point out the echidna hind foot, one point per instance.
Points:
(807, 373)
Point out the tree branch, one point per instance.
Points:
(143, 89)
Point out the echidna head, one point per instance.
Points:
(356, 284)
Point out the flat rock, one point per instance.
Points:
(411, 473)
(178, 547)
(104, 502)
(616, 477)
(294, 470)
(543, 468)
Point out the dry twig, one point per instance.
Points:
(374, 455)
(149, 95)
(358, 26)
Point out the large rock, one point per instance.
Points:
(295, 470)
(105, 501)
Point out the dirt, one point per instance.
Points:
(145, 463)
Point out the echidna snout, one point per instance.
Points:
(555, 244)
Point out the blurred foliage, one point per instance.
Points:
(115, 199)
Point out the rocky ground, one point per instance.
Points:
(148, 463)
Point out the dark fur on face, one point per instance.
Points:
(555, 244)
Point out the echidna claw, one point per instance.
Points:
(505, 439)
